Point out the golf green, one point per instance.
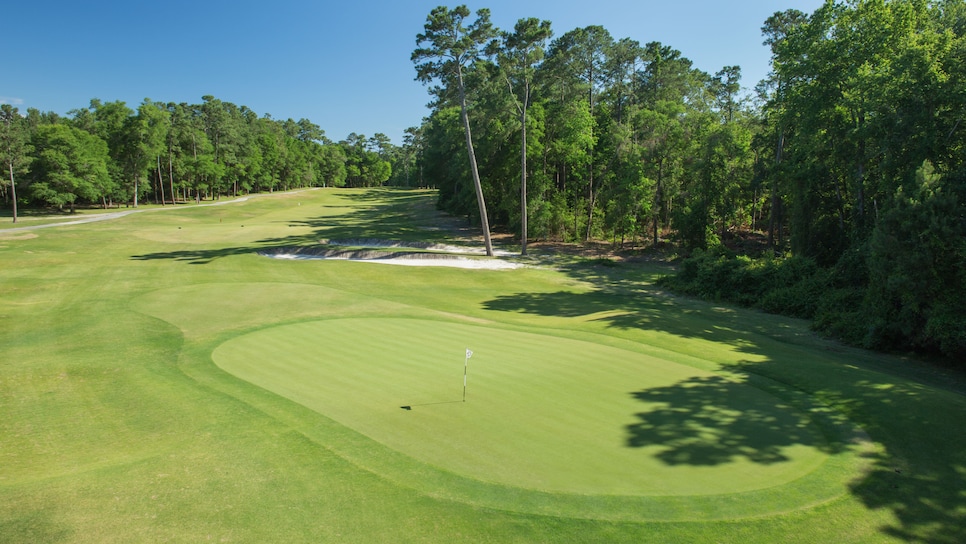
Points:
(542, 412)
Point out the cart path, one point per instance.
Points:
(117, 215)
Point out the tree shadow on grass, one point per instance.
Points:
(197, 256)
(394, 215)
(913, 413)
(711, 420)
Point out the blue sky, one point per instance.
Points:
(343, 65)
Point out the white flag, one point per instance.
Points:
(468, 353)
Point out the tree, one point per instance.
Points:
(667, 123)
(623, 59)
(332, 165)
(917, 268)
(109, 124)
(14, 148)
(583, 53)
(775, 29)
(70, 165)
(364, 166)
(570, 149)
(151, 126)
(518, 56)
(268, 157)
(409, 157)
(725, 87)
(310, 132)
(221, 124)
(445, 141)
(627, 200)
(190, 153)
(661, 134)
(444, 50)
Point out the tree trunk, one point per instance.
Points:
(591, 203)
(473, 168)
(13, 192)
(775, 198)
(161, 182)
(523, 172)
(860, 190)
(659, 197)
(576, 215)
(590, 183)
(171, 180)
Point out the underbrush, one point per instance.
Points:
(790, 286)
(842, 301)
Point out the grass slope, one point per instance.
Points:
(155, 386)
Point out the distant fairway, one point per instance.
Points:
(163, 381)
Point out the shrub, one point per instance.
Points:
(789, 285)
(799, 299)
(839, 314)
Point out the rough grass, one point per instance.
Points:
(134, 408)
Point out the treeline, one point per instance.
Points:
(109, 153)
(850, 157)
(624, 142)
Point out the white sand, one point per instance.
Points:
(428, 247)
(459, 262)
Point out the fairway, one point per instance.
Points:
(164, 381)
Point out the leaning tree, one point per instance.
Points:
(443, 51)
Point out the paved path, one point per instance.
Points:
(116, 215)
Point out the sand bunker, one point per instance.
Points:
(374, 251)
(427, 246)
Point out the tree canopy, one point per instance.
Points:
(848, 155)
(110, 153)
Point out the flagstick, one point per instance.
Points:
(465, 364)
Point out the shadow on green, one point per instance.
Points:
(919, 470)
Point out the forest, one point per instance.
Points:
(109, 154)
(835, 190)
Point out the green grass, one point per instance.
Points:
(161, 381)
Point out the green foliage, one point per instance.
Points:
(839, 314)
(168, 151)
(69, 165)
(791, 286)
(860, 91)
(917, 269)
(14, 152)
(902, 292)
(332, 170)
(861, 127)
(444, 163)
(366, 164)
(449, 50)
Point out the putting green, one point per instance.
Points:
(543, 413)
